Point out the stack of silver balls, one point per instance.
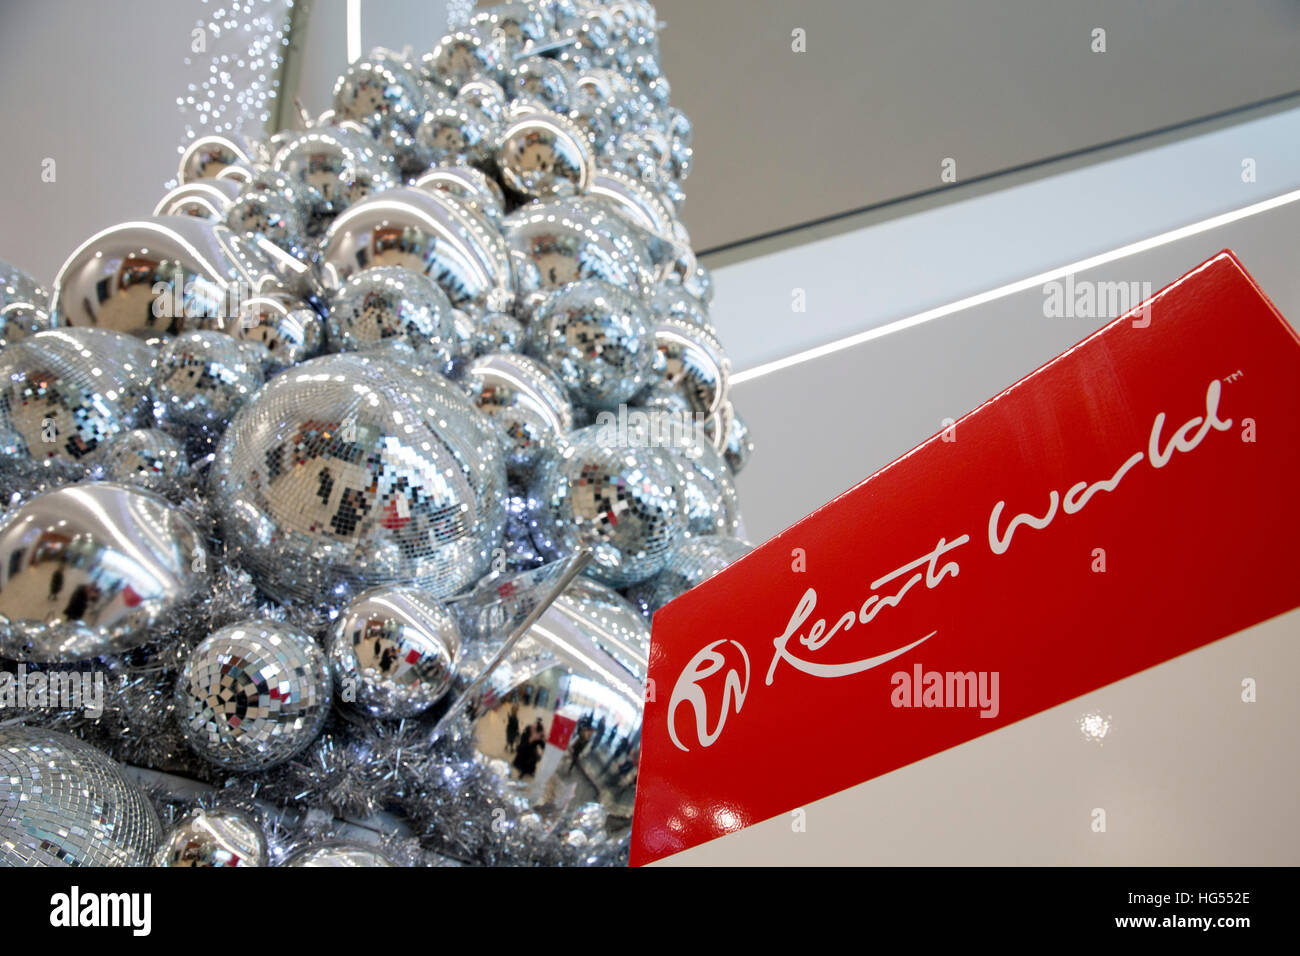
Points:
(444, 336)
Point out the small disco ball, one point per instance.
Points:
(253, 694)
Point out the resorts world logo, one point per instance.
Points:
(806, 633)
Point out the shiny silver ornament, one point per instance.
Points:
(605, 490)
(392, 308)
(543, 81)
(63, 803)
(271, 215)
(162, 275)
(147, 458)
(597, 338)
(515, 26)
(671, 301)
(301, 195)
(542, 155)
(712, 506)
(205, 199)
(208, 155)
(338, 853)
(203, 378)
(497, 332)
(89, 568)
(470, 186)
(351, 471)
(288, 330)
(341, 164)
(64, 392)
(24, 305)
(378, 94)
(225, 838)
(394, 651)
(693, 562)
(554, 243)
(664, 236)
(691, 360)
(457, 133)
(525, 399)
(560, 719)
(427, 232)
(253, 694)
(486, 96)
(460, 57)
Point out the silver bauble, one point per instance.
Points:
(393, 308)
(542, 80)
(394, 651)
(580, 671)
(208, 155)
(203, 378)
(89, 568)
(351, 471)
(271, 215)
(470, 186)
(486, 96)
(287, 329)
(527, 402)
(226, 838)
(205, 199)
(665, 238)
(621, 498)
(460, 57)
(64, 392)
(377, 93)
(63, 803)
(342, 164)
(554, 243)
(711, 503)
(692, 361)
(24, 305)
(693, 562)
(427, 232)
(253, 694)
(498, 332)
(161, 275)
(542, 155)
(338, 853)
(671, 301)
(596, 337)
(457, 133)
(302, 196)
(515, 26)
(147, 458)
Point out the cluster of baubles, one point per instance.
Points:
(450, 330)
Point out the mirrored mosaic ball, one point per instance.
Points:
(253, 694)
(203, 378)
(597, 338)
(350, 471)
(66, 391)
(63, 803)
(391, 307)
(146, 457)
(623, 499)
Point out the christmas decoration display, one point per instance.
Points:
(354, 473)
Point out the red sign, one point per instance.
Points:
(1128, 502)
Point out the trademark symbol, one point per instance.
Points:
(1234, 376)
